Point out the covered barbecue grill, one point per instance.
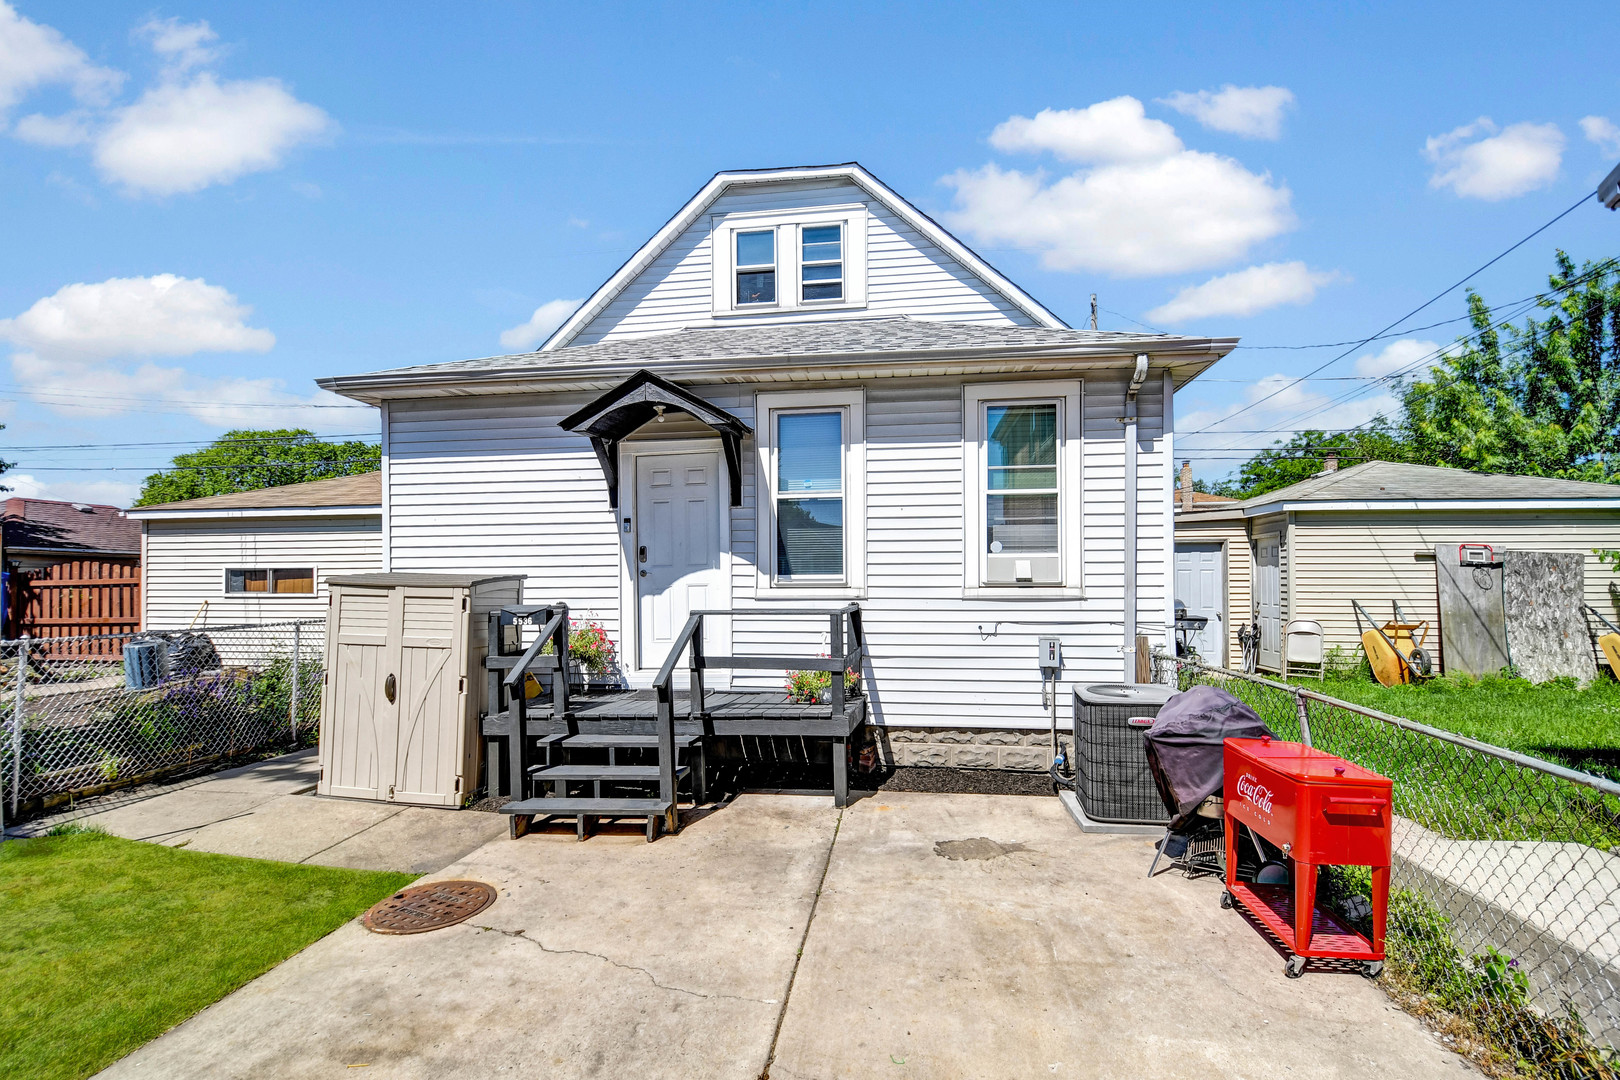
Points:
(1185, 755)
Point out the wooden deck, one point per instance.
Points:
(727, 712)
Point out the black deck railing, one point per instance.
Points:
(690, 641)
(504, 634)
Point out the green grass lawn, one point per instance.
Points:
(1578, 728)
(107, 943)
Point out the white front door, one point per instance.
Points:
(677, 550)
(1268, 600)
(1201, 590)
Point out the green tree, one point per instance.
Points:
(1306, 454)
(1542, 399)
(249, 460)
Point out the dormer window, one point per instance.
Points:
(822, 268)
(773, 263)
(756, 267)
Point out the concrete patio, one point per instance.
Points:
(910, 935)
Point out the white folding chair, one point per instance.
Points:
(1302, 649)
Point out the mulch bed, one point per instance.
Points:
(957, 781)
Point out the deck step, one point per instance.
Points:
(618, 742)
(547, 774)
(594, 807)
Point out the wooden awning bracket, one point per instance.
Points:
(638, 400)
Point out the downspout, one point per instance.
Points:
(1132, 512)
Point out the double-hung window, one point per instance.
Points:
(1021, 451)
(821, 267)
(810, 495)
(812, 491)
(756, 267)
(774, 263)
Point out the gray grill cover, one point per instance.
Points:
(1185, 742)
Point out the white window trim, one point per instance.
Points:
(225, 583)
(975, 396)
(789, 287)
(853, 404)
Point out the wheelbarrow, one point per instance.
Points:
(1395, 650)
(1609, 643)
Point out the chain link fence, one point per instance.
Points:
(1504, 918)
(86, 715)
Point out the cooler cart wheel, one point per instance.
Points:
(1372, 969)
(1226, 901)
(1295, 967)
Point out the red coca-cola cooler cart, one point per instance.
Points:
(1321, 811)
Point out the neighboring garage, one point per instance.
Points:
(257, 556)
(1368, 533)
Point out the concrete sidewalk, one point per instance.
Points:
(267, 810)
(941, 936)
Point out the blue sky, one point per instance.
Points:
(203, 207)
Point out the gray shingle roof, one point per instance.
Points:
(841, 337)
(1380, 481)
(361, 489)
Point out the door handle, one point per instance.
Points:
(643, 573)
(641, 553)
(388, 689)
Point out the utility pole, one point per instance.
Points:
(1608, 191)
(1094, 311)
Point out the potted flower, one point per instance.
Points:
(811, 687)
(591, 654)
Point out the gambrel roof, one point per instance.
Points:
(849, 172)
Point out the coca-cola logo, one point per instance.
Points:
(1250, 788)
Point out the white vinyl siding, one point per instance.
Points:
(186, 561)
(1370, 556)
(491, 484)
(905, 273)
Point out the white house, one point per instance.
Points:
(842, 403)
(256, 556)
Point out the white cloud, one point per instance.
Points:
(163, 315)
(33, 56)
(85, 350)
(1188, 211)
(187, 131)
(98, 492)
(69, 129)
(1602, 130)
(546, 318)
(1479, 162)
(185, 137)
(1114, 130)
(1397, 356)
(182, 46)
(1254, 112)
(1245, 292)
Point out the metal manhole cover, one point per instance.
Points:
(428, 907)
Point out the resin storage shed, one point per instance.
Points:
(405, 684)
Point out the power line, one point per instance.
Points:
(1516, 309)
(183, 444)
(1433, 299)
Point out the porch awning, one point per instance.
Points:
(634, 402)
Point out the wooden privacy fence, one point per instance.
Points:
(77, 599)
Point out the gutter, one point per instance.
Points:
(1398, 505)
(255, 512)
